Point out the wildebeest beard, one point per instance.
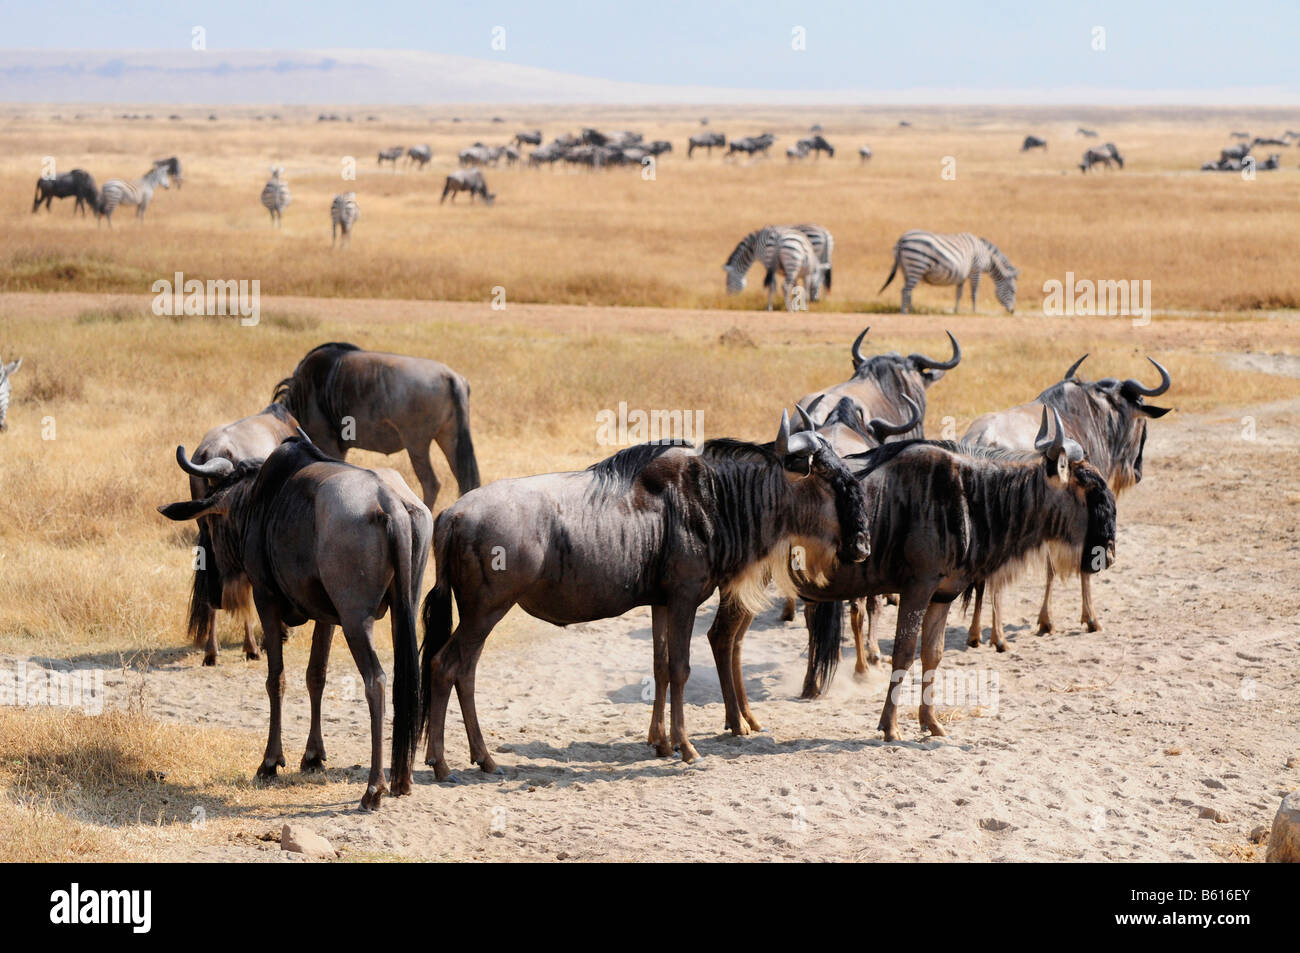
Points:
(1110, 429)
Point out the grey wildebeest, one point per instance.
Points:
(420, 155)
(324, 541)
(1103, 156)
(77, 183)
(251, 438)
(943, 518)
(655, 524)
(530, 138)
(467, 180)
(391, 155)
(7, 371)
(1033, 142)
(1107, 418)
(864, 153)
(705, 140)
(347, 398)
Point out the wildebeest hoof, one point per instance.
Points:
(314, 762)
(251, 655)
(1093, 626)
(374, 795)
(689, 753)
(440, 770)
(267, 770)
(209, 660)
(488, 766)
(663, 749)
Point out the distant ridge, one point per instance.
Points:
(238, 77)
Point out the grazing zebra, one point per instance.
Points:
(797, 151)
(777, 249)
(419, 155)
(344, 213)
(797, 262)
(391, 155)
(275, 195)
(467, 180)
(823, 246)
(6, 371)
(1103, 156)
(1033, 142)
(864, 153)
(120, 192)
(759, 245)
(952, 260)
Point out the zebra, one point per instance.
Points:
(864, 154)
(1103, 156)
(952, 260)
(275, 195)
(823, 246)
(344, 213)
(173, 165)
(776, 248)
(797, 261)
(6, 371)
(120, 192)
(419, 155)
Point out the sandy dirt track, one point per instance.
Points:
(1101, 746)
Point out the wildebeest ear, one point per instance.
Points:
(189, 509)
(1151, 411)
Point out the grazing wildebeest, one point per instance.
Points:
(344, 214)
(1033, 142)
(705, 140)
(467, 180)
(533, 138)
(77, 183)
(1239, 134)
(655, 524)
(658, 147)
(943, 518)
(324, 541)
(347, 398)
(864, 153)
(6, 372)
(173, 166)
(1263, 141)
(1107, 418)
(817, 144)
(1087, 133)
(391, 155)
(1104, 156)
(252, 438)
(420, 155)
(1239, 151)
(752, 144)
(120, 192)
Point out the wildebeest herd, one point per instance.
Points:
(849, 502)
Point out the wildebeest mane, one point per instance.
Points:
(310, 380)
(621, 470)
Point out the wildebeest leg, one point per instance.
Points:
(423, 467)
(251, 652)
(857, 612)
(875, 605)
(731, 618)
(460, 651)
(681, 620)
(657, 735)
(738, 677)
(1045, 613)
(996, 637)
(478, 751)
(787, 610)
(359, 631)
(1089, 618)
(932, 632)
(911, 613)
(274, 756)
(973, 635)
(313, 757)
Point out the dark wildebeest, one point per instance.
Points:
(347, 398)
(816, 144)
(655, 525)
(391, 155)
(252, 438)
(943, 518)
(78, 183)
(658, 147)
(1087, 133)
(533, 138)
(324, 541)
(864, 153)
(705, 140)
(173, 167)
(6, 372)
(1033, 142)
(1235, 152)
(1267, 141)
(1108, 419)
(420, 155)
(467, 180)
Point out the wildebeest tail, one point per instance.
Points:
(205, 596)
(825, 631)
(406, 654)
(467, 477)
(893, 271)
(436, 618)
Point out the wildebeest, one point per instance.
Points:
(1108, 420)
(1265, 141)
(324, 541)
(705, 140)
(656, 525)
(391, 155)
(1240, 134)
(533, 138)
(943, 517)
(467, 180)
(173, 166)
(420, 155)
(1033, 142)
(752, 144)
(1106, 155)
(6, 387)
(1086, 133)
(864, 153)
(77, 183)
(347, 398)
(1239, 151)
(817, 144)
(251, 438)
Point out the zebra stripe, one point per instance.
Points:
(120, 192)
(759, 245)
(344, 213)
(6, 371)
(823, 244)
(797, 261)
(275, 195)
(952, 260)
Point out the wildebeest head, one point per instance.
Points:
(833, 490)
(894, 365)
(227, 480)
(6, 371)
(1066, 465)
(1120, 411)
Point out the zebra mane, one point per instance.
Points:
(1001, 265)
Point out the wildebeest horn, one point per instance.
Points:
(1074, 367)
(807, 421)
(782, 446)
(1137, 388)
(857, 347)
(212, 470)
(882, 428)
(1059, 442)
(929, 363)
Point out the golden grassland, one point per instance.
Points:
(1205, 241)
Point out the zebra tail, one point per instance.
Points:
(893, 271)
(767, 278)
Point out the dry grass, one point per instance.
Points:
(1206, 241)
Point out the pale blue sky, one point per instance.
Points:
(1188, 45)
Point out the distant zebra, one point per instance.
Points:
(344, 213)
(1103, 156)
(864, 154)
(785, 250)
(1033, 142)
(420, 155)
(120, 192)
(952, 260)
(6, 371)
(275, 195)
(391, 155)
(823, 246)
